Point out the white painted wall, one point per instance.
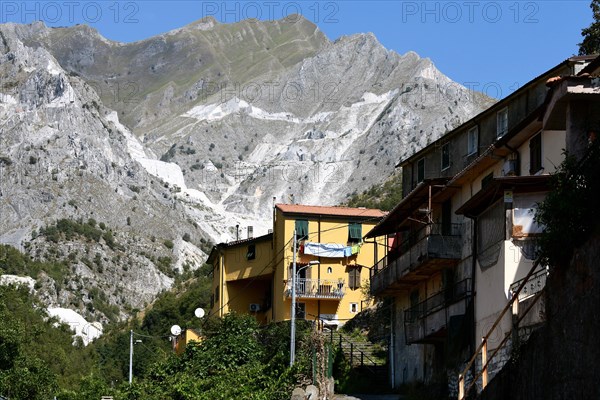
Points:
(492, 287)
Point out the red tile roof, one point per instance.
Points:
(330, 210)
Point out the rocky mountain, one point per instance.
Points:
(191, 132)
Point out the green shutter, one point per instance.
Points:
(355, 231)
(302, 229)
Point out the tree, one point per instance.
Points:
(591, 34)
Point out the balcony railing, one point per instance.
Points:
(431, 315)
(534, 285)
(426, 252)
(316, 288)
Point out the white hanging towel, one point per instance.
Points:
(331, 250)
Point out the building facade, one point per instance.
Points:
(332, 266)
(463, 235)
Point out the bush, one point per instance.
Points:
(569, 213)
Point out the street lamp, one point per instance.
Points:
(293, 317)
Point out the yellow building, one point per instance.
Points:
(254, 275)
(186, 337)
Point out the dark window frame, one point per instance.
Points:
(473, 132)
(420, 170)
(251, 254)
(445, 161)
(354, 232)
(354, 277)
(301, 227)
(502, 122)
(535, 154)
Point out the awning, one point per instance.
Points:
(408, 205)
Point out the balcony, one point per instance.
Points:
(321, 289)
(428, 321)
(423, 254)
(535, 284)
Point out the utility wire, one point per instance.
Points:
(272, 263)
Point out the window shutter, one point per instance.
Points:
(354, 278)
(301, 229)
(355, 231)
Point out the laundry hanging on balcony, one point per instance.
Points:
(331, 250)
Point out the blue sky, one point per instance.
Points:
(491, 46)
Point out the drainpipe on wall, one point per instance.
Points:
(392, 351)
(222, 286)
(473, 273)
(319, 271)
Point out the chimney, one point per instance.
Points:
(237, 232)
(250, 231)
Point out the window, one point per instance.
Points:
(535, 154)
(354, 232)
(353, 277)
(301, 229)
(446, 156)
(251, 254)
(217, 294)
(502, 122)
(353, 308)
(487, 180)
(329, 270)
(421, 170)
(472, 141)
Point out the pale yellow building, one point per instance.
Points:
(464, 237)
(254, 275)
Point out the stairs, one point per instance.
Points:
(363, 357)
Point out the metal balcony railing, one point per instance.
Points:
(438, 301)
(317, 288)
(435, 242)
(534, 285)
(424, 321)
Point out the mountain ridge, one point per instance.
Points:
(172, 141)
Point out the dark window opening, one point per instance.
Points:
(445, 156)
(421, 170)
(301, 229)
(447, 218)
(487, 180)
(354, 232)
(472, 141)
(502, 122)
(535, 154)
(251, 254)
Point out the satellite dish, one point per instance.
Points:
(199, 312)
(175, 330)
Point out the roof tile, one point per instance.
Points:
(331, 210)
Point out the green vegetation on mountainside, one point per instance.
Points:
(238, 359)
(383, 196)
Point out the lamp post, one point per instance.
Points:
(131, 355)
(293, 316)
(293, 310)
